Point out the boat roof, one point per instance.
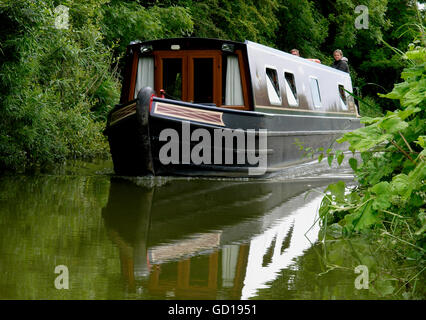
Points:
(188, 43)
(296, 59)
(193, 43)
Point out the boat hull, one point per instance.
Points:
(205, 140)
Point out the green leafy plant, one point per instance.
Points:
(390, 195)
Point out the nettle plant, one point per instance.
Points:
(390, 194)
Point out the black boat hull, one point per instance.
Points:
(134, 132)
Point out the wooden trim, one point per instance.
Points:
(234, 107)
(154, 277)
(240, 270)
(302, 110)
(158, 82)
(183, 273)
(187, 113)
(133, 76)
(243, 79)
(213, 268)
(122, 113)
(124, 94)
(187, 57)
(217, 74)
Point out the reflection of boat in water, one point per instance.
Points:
(208, 238)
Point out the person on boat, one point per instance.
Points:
(295, 52)
(314, 60)
(339, 63)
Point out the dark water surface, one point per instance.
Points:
(167, 238)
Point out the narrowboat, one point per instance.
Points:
(210, 107)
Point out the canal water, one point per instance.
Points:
(109, 237)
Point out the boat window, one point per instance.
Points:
(316, 96)
(273, 86)
(172, 77)
(343, 100)
(233, 91)
(203, 80)
(145, 74)
(290, 89)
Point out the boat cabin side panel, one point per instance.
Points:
(286, 83)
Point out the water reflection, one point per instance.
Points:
(209, 238)
(168, 239)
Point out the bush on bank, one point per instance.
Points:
(391, 193)
(58, 84)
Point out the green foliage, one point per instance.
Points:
(302, 27)
(124, 22)
(368, 107)
(57, 85)
(379, 63)
(235, 20)
(53, 84)
(391, 193)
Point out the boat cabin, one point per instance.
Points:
(243, 76)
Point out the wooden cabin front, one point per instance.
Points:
(206, 71)
(243, 76)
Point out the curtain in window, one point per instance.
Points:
(229, 264)
(145, 74)
(234, 91)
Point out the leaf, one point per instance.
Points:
(381, 203)
(330, 159)
(335, 230)
(353, 163)
(400, 183)
(381, 188)
(393, 124)
(367, 218)
(320, 157)
(368, 120)
(340, 158)
(404, 114)
(337, 190)
(421, 141)
(365, 138)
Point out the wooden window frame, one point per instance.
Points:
(243, 78)
(187, 74)
(135, 60)
(187, 57)
(217, 73)
(158, 73)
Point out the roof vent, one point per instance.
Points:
(227, 47)
(146, 49)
